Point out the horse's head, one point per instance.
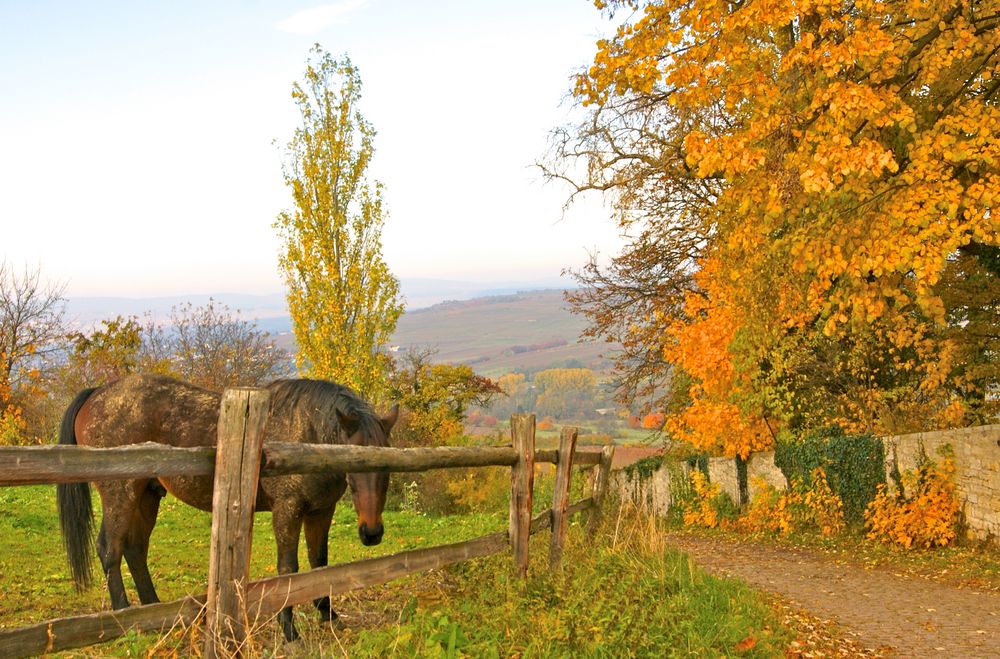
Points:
(368, 489)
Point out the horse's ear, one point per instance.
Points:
(349, 424)
(389, 420)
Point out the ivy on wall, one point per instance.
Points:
(854, 465)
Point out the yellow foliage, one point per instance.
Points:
(801, 508)
(12, 426)
(478, 489)
(343, 300)
(821, 162)
(701, 511)
(927, 517)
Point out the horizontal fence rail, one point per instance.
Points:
(40, 465)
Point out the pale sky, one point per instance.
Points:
(141, 143)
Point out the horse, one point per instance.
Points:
(152, 408)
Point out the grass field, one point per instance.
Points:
(625, 594)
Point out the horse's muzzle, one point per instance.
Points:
(370, 536)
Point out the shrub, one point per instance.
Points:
(595, 439)
(478, 489)
(653, 421)
(709, 505)
(12, 426)
(926, 517)
(803, 507)
(768, 512)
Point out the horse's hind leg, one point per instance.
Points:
(136, 548)
(317, 530)
(110, 546)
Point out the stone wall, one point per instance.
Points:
(723, 472)
(977, 469)
(761, 467)
(977, 473)
(652, 492)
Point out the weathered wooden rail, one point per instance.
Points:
(45, 465)
(236, 464)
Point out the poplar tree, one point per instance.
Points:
(344, 301)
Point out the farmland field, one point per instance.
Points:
(484, 332)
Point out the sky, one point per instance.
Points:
(141, 143)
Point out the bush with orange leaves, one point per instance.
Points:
(653, 421)
(926, 517)
(803, 507)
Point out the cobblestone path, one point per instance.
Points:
(903, 615)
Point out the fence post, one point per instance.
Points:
(601, 477)
(560, 494)
(242, 416)
(522, 477)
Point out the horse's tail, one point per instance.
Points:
(76, 515)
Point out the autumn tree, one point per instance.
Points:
(435, 397)
(31, 327)
(112, 349)
(566, 392)
(343, 299)
(516, 395)
(653, 421)
(213, 347)
(798, 180)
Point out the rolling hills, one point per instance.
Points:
(530, 331)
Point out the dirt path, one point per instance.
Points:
(915, 617)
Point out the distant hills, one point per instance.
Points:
(528, 330)
(495, 328)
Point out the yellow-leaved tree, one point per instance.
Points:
(830, 170)
(343, 299)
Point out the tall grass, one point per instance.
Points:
(623, 593)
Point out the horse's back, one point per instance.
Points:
(148, 408)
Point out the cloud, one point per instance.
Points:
(316, 19)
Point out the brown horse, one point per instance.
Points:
(146, 408)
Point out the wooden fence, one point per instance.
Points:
(237, 462)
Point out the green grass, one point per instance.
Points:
(619, 596)
(626, 593)
(35, 583)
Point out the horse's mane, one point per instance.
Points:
(322, 400)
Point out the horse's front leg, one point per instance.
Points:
(287, 523)
(317, 529)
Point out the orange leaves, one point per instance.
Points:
(846, 152)
(813, 507)
(701, 347)
(925, 517)
(653, 421)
